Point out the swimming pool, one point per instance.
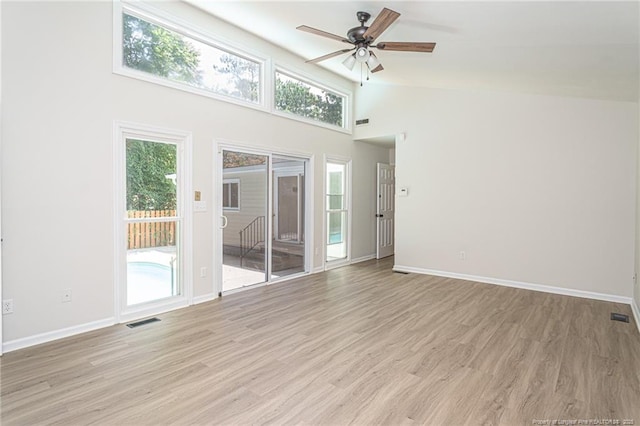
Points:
(147, 281)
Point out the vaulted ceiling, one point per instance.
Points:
(571, 48)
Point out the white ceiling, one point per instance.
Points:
(569, 48)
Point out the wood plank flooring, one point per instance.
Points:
(356, 345)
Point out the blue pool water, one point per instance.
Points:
(147, 281)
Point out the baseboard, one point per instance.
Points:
(636, 312)
(518, 284)
(49, 336)
(204, 298)
(363, 258)
(318, 269)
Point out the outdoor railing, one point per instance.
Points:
(251, 236)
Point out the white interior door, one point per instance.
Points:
(385, 210)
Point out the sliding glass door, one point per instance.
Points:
(245, 180)
(288, 247)
(262, 217)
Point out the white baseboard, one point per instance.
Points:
(318, 269)
(636, 312)
(204, 298)
(363, 258)
(49, 336)
(518, 284)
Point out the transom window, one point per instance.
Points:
(152, 45)
(161, 52)
(304, 99)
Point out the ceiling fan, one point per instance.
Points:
(362, 39)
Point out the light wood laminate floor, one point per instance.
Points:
(356, 345)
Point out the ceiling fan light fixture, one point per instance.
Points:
(350, 61)
(362, 54)
(372, 62)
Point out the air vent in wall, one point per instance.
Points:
(361, 122)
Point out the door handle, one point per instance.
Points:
(379, 215)
(225, 222)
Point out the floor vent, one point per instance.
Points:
(143, 322)
(619, 317)
(401, 272)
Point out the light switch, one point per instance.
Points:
(403, 192)
(197, 196)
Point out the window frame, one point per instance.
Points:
(229, 182)
(268, 67)
(347, 207)
(171, 23)
(123, 131)
(346, 96)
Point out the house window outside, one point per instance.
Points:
(303, 99)
(230, 194)
(166, 54)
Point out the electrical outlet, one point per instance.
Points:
(463, 255)
(203, 272)
(66, 295)
(7, 306)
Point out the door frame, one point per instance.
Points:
(183, 139)
(219, 145)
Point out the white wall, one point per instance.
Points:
(534, 189)
(636, 289)
(60, 99)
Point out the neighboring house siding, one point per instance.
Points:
(253, 203)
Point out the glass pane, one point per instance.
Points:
(234, 195)
(335, 202)
(152, 261)
(303, 99)
(335, 181)
(156, 50)
(225, 195)
(151, 179)
(288, 247)
(336, 235)
(244, 238)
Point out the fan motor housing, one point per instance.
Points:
(356, 34)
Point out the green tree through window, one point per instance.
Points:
(244, 74)
(151, 168)
(156, 50)
(299, 98)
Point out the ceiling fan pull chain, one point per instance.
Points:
(360, 74)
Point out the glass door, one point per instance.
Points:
(152, 222)
(288, 242)
(245, 184)
(337, 212)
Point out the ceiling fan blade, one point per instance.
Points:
(381, 23)
(406, 46)
(378, 68)
(329, 55)
(322, 33)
